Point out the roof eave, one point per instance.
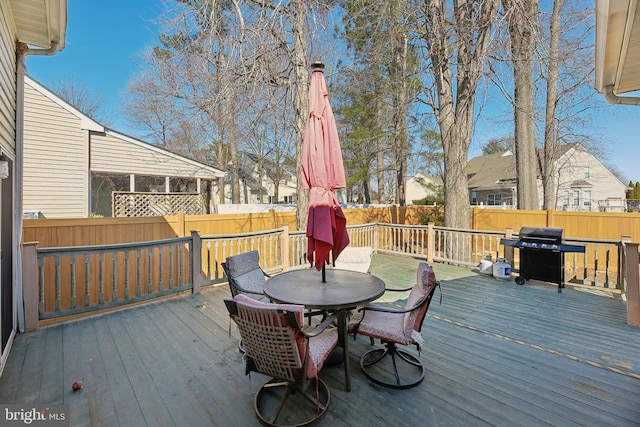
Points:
(617, 56)
(40, 23)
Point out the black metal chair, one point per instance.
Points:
(277, 346)
(396, 327)
(245, 275)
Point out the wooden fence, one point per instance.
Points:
(576, 225)
(106, 231)
(103, 231)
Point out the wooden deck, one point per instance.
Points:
(496, 354)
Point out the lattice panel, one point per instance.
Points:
(127, 204)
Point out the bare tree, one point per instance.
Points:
(80, 96)
(521, 18)
(567, 69)
(562, 75)
(548, 171)
(457, 51)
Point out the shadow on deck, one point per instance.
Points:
(496, 354)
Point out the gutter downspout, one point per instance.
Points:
(22, 51)
(612, 98)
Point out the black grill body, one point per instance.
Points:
(542, 254)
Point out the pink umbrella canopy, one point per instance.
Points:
(322, 171)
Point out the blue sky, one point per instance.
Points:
(105, 38)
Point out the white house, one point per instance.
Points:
(73, 165)
(256, 186)
(420, 186)
(27, 27)
(583, 183)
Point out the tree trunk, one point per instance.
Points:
(521, 16)
(454, 113)
(550, 128)
(400, 138)
(300, 99)
(380, 163)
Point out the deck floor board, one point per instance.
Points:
(496, 354)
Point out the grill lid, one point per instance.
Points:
(541, 234)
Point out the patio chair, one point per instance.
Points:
(395, 327)
(245, 275)
(355, 259)
(277, 346)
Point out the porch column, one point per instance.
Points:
(30, 286)
(132, 183)
(632, 283)
(167, 184)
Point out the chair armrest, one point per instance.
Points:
(240, 289)
(398, 290)
(322, 326)
(385, 309)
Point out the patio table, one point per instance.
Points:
(342, 291)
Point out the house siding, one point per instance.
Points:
(110, 154)
(55, 153)
(600, 182)
(415, 190)
(7, 85)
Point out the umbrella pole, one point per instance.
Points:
(324, 277)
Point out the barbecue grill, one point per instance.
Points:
(542, 254)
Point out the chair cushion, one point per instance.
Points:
(245, 270)
(382, 325)
(320, 348)
(243, 263)
(251, 281)
(425, 280)
(355, 259)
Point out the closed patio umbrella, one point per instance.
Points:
(322, 171)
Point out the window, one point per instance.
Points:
(586, 198)
(565, 202)
(494, 199)
(474, 198)
(576, 198)
(586, 172)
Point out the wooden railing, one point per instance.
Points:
(67, 281)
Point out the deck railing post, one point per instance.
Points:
(285, 248)
(508, 250)
(632, 283)
(431, 242)
(30, 286)
(196, 261)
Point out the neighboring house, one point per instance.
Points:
(256, 186)
(583, 183)
(73, 164)
(421, 186)
(27, 27)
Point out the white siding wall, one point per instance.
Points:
(55, 153)
(7, 85)
(115, 155)
(571, 168)
(414, 190)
